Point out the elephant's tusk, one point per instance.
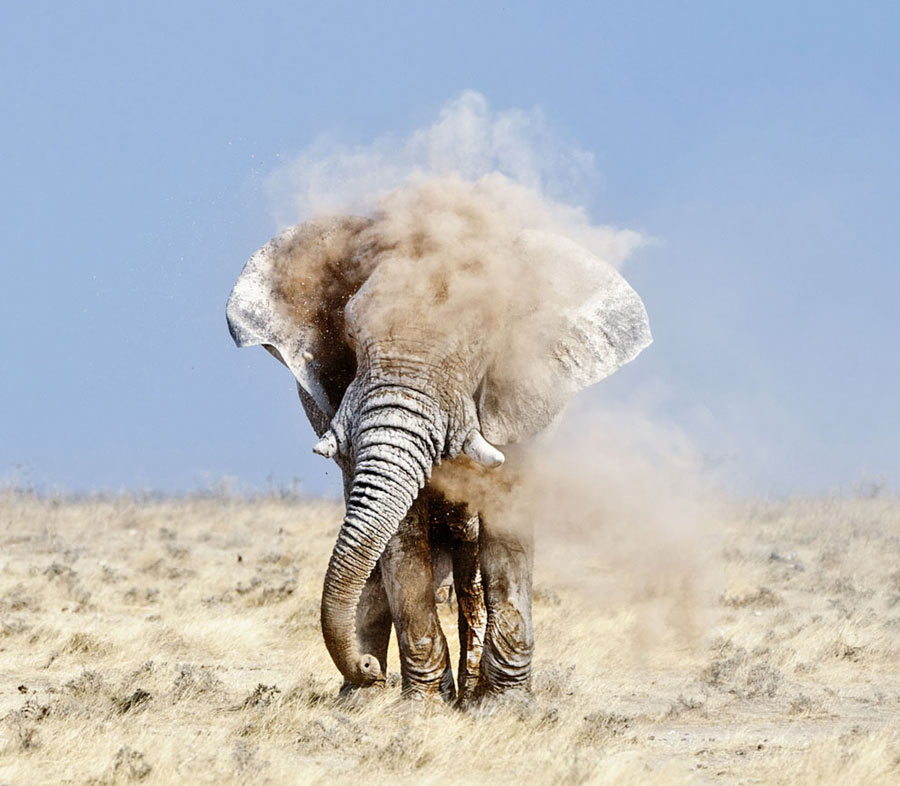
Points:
(327, 446)
(477, 448)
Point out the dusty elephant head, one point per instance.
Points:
(434, 329)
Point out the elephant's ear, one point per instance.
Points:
(601, 326)
(290, 298)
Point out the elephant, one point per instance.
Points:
(423, 339)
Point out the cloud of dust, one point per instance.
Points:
(624, 517)
(615, 492)
(456, 215)
(452, 260)
(469, 140)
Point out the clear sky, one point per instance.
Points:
(756, 143)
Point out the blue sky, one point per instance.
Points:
(755, 143)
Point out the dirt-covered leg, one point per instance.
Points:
(506, 556)
(442, 569)
(406, 566)
(452, 524)
(472, 613)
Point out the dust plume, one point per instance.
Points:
(444, 212)
(454, 215)
(624, 518)
(469, 140)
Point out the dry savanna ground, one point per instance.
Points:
(177, 641)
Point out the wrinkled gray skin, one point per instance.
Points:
(392, 394)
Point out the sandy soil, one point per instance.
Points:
(177, 641)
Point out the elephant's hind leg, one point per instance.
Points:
(408, 576)
(472, 614)
(454, 526)
(472, 619)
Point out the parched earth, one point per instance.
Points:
(177, 641)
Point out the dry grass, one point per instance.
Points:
(177, 642)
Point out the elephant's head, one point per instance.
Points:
(423, 334)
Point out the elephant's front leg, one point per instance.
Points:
(406, 566)
(506, 557)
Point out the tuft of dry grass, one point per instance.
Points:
(177, 641)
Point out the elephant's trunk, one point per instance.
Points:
(395, 443)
